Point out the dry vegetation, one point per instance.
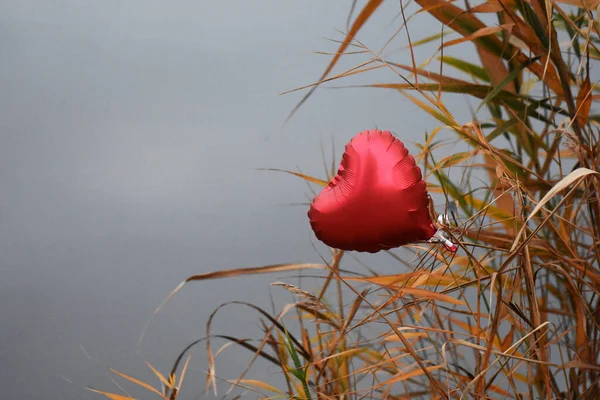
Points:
(515, 313)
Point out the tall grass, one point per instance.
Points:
(515, 313)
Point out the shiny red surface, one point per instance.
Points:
(378, 199)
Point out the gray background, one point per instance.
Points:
(130, 135)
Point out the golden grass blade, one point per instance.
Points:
(453, 159)
(589, 4)
(353, 71)
(462, 22)
(346, 353)
(501, 97)
(560, 186)
(112, 396)
(268, 269)
(503, 199)
(442, 117)
(431, 279)
(488, 30)
(233, 273)
(230, 273)
(493, 388)
(160, 376)
(172, 379)
(428, 146)
(363, 16)
(407, 335)
(354, 309)
(508, 339)
(328, 318)
(411, 374)
(580, 365)
(584, 102)
(493, 6)
(529, 29)
(489, 47)
(137, 381)
(261, 385)
(431, 75)
(427, 294)
(503, 354)
(183, 371)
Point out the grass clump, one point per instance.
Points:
(515, 314)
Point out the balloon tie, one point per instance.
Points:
(440, 235)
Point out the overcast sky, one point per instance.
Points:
(130, 135)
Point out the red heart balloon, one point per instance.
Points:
(378, 199)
